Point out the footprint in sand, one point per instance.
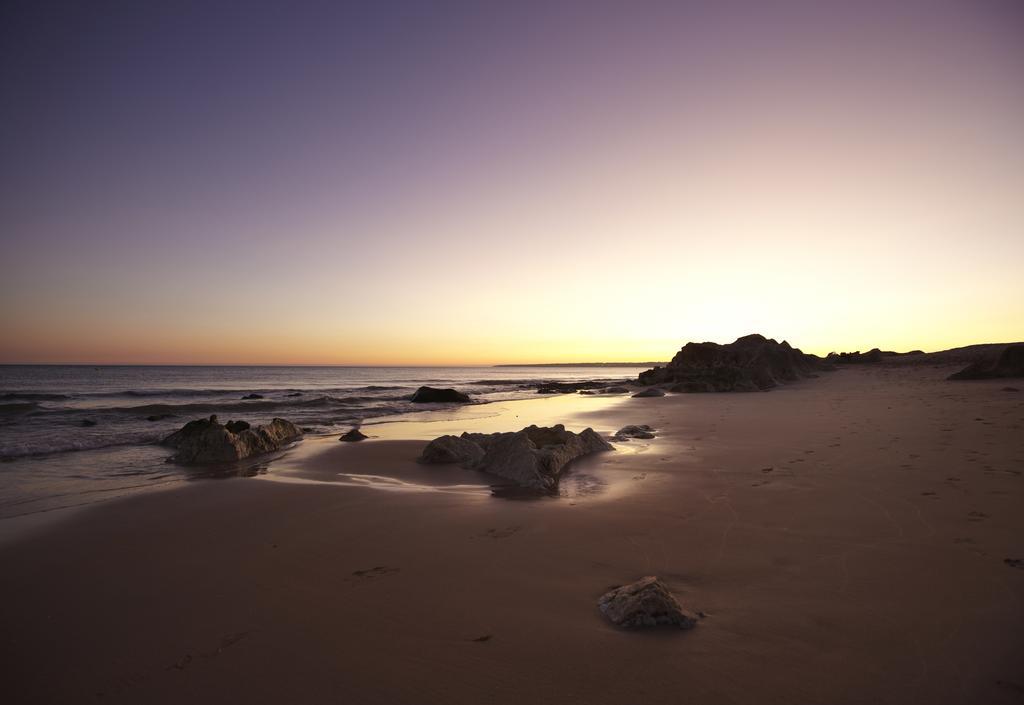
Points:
(976, 516)
(226, 642)
(370, 573)
(481, 639)
(1014, 562)
(501, 533)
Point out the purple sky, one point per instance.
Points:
(489, 182)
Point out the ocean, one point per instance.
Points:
(74, 434)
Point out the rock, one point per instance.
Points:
(87, 423)
(159, 417)
(207, 441)
(567, 387)
(615, 390)
(651, 392)
(871, 357)
(1009, 363)
(253, 396)
(533, 458)
(452, 449)
(353, 436)
(430, 395)
(294, 394)
(645, 603)
(751, 363)
(627, 432)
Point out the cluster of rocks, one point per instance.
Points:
(646, 603)
(751, 363)
(533, 458)
(209, 441)
(1009, 363)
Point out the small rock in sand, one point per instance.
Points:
(353, 436)
(645, 603)
(627, 432)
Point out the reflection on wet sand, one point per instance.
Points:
(387, 461)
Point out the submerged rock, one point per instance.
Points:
(353, 436)
(534, 457)
(645, 603)
(1009, 363)
(652, 392)
(253, 396)
(207, 441)
(626, 432)
(751, 363)
(430, 395)
(87, 423)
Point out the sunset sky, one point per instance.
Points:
(448, 183)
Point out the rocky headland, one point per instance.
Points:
(750, 364)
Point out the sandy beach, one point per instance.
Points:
(846, 539)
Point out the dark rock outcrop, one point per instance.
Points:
(208, 441)
(751, 363)
(353, 436)
(645, 603)
(431, 395)
(453, 449)
(1009, 363)
(533, 458)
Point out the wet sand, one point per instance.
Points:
(846, 538)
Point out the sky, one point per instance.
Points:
(480, 182)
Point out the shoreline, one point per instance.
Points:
(845, 537)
